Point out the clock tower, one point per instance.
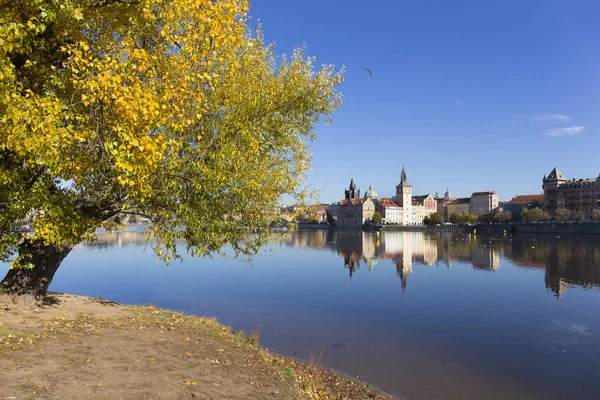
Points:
(404, 198)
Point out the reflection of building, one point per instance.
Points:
(404, 261)
(483, 202)
(566, 261)
(484, 258)
(316, 240)
(119, 239)
(580, 196)
(354, 247)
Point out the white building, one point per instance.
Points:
(483, 202)
(389, 210)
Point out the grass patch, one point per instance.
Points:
(289, 374)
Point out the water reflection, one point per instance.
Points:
(567, 260)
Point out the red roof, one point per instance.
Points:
(388, 202)
(355, 202)
(527, 199)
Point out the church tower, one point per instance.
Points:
(352, 192)
(404, 197)
(447, 195)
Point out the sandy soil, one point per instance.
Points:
(74, 347)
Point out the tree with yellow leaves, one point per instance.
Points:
(171, 110)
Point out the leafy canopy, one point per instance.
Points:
(169, 109)
(377, 218)
(433, 219)
(534, 215)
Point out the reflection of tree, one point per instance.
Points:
(566, 261)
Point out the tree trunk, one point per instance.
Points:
(34, 281)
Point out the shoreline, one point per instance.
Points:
(109, 349)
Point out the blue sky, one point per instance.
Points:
(473, 95)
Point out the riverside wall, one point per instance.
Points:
(578, 228)
(402, 228)
(435, 228)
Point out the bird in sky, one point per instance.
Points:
(368, 70)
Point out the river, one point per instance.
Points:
(421, 316)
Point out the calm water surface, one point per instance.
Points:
(420, 316)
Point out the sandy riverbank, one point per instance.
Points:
(74, 347)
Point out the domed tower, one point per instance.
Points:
(371, 193)
(447, 195)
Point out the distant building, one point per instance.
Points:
(483, 202)
(425, 205)
(550, 185)
(459, 206)
(354, 213)
(389, 210)
(305, 213)
(581, 196)
(353, 192)
(404, 198)
(442, 204)
(518, 203)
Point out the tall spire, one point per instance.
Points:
(352, 192)
(403, 180)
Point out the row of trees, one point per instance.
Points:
(436, 218)
(527, 215)
(563, 215)
(463, 218)
(535, 215)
